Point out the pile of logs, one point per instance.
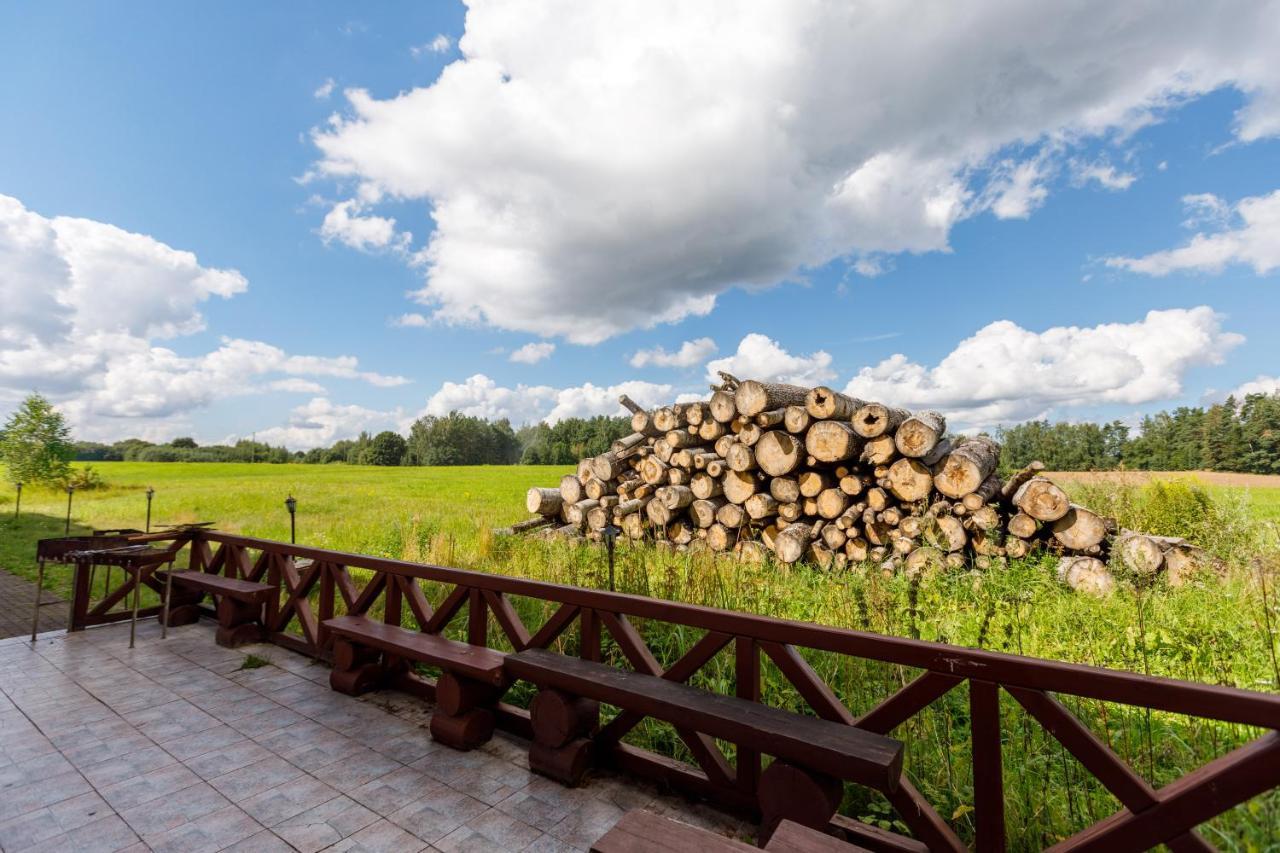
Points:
(813, 474)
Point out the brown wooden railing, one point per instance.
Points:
(315, 584)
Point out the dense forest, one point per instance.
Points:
(1230, 436)
(454, 439)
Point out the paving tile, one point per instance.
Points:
(105, 835)
(148, 786)
(282, 802)
(25, 795)
(409, 747)
(492, 830)
(588, 822)
(265, 841)
(215, 831)
(437, 813)
(543, 804)
(253, 779)
(266, 722)
(189, 745)
(127, 766)
(550, 844)
(381, 837)
(165, 813)
(395, 790)
(223, 760)
(325, 824)
(357, 768)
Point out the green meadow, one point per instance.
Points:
(1222, 629)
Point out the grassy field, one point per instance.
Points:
(1220, 630)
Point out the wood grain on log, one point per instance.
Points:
(796, 419)
(753, 397)
(873, 419)
(920, 433)
(823, 403)
(778, 453)
(831, 441)
(1042, 499)
(543, 501)
(910, 480)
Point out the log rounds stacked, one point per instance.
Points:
(814, 474)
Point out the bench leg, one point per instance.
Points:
(562, 725)
(356, 669)
(464, 717)
(239, 622)
(788, 792)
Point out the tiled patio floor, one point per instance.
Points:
(16, 597)
(172, 746)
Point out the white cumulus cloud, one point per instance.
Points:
(86, 309)
(1247, 233)
(320, 422)
(347, 223)
(691, 354)
(324, 90)
(532, 353)
(760, 357)
(480, 396)
(664, 152)
(440, 44)
(1005, 373)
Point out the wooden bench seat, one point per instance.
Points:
(471, 682)
(240, 590)
(240, 604)
(475, 662)
(839, 750)
(641, 831)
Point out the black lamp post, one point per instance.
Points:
(150, 494)
(610, 534)
(71, 490)
(17, 505)
(291, 503)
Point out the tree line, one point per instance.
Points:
(453, 439)
(1235, 435)
(1239, 436)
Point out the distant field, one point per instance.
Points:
(1261, 491)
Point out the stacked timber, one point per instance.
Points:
(812, 474)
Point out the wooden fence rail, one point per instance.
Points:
(317, 584)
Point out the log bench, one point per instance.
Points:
(641, 831)
(812, 756)
(240, 604)
(472, 678)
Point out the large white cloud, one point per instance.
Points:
(691, 354)
(596, 167)
(760, 357)
(480, 396)
(84, 308)
(1247, 233)
(1005, 373)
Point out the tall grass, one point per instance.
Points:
(1219, 630)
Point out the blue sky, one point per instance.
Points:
(592, 163)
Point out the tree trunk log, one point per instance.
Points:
(706, 486)
(731, 515)
(823, 403)
(875, 419)
(785, 489)
(753, 397)
(967, 466)
(1022, 525)
(879, 450)
(1087, 575)
(778, 453)
(738, 486)
(543, 501)
(740, 458)
(910, 480)
(723, 407)
(796, 419)
(703, 511)
(792, 544)
(570, 489)
(761, 505)
(1042, 499)
(832, 441)
(832, 503)
(945, 532)
(920, 433)
(984, 494)
(1080, 529)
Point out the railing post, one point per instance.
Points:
(477, 618)
(988, 782)
(747, 676)
(589, 635)
(81, 592)
(391, 610)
